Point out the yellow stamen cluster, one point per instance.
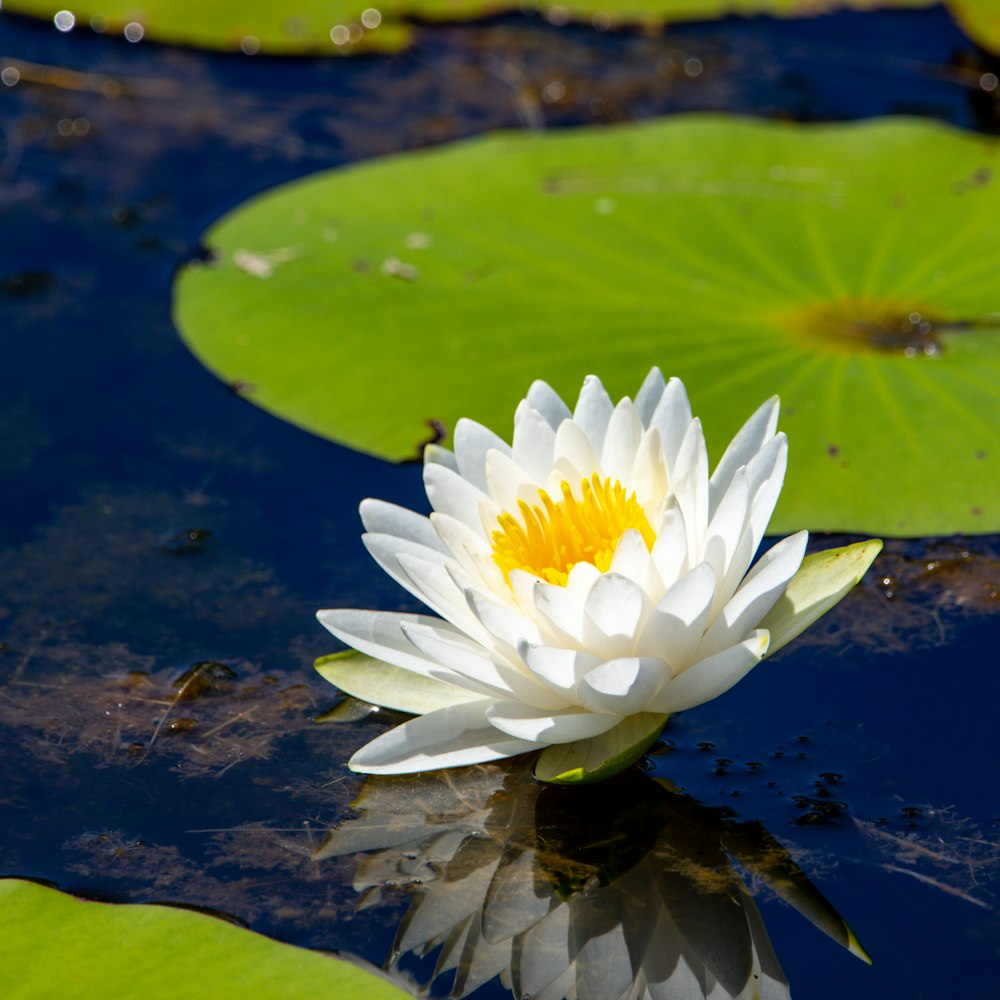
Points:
(548, 541)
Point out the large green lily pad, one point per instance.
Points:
(854, 270)
(53, 945)
(344, 26)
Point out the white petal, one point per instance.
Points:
(449, 737)
(380, 634)
(436, 586)
(548, 403)
(726, 529)
(711, 677)
(472, 442)
(689, 481)
(503, 622)
(739, 563)
(670, 550)
(648, 396)
(766, 474)
(621, 442)
(632, 559)
(475, 668)
(434, 454)
(649, 477)
(574, 459)
(449, 493)
(758, 593)
(675, 628)
(749, 440)
(506, 481)
(458, 538)
(559, 667)
(483, 667)
(623, 686)
(381, 518)
(593, 411)
(386, 550)
(615, 605)
(561, 611)
(473, 553)
(582, 578)
(534, 440)
(671, 418)
(522, 586)
(520, 721)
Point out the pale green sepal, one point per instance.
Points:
(347, 710)
(601, 756)
(822, 580)
(381, 683)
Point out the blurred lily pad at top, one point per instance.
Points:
(854, 270)
(346, 26)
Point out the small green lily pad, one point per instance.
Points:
(854, 270)
(53, 945)
(601, 756)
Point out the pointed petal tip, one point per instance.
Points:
(359, 767)
(856, 948)
(435, 454)
(327, 615)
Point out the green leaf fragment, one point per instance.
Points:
(53, 945)
(380, 683)
(345, 26)
(601, 756)
(821, 581)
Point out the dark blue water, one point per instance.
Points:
(151, 520)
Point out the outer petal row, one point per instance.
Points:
(449, 737)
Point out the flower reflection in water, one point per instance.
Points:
(621, 891)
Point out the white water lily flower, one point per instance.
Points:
(589, 574)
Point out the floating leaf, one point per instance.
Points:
(602, 756)
(854, 270)
(54, 945)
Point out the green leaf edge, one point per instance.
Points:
(822, 580)
(55, 944)
(560, 764)
(379, 683)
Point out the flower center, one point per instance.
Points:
(549, 540)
